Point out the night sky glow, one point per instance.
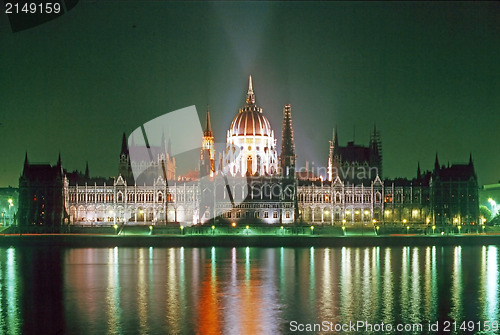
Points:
(428, 75)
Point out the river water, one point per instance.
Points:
(249, 290)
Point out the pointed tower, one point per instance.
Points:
(436, 164)
(26, 164)
(124, 167)
(333, 155)
(207, 154)
(376, 152)
(250, 93)
(287, 145)
(87, 175)
(419, 173)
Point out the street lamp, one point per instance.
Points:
(182, 230)
(433, 228)
(10, 216)
(116, 229)
(213, 229)
(312, 230)
(246, 229)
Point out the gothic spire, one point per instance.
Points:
(250, 93)
(419, 173)
(208, 126)
(26, 163)
(124, 145)
(436, 163)
(287, 144)
(87, 175)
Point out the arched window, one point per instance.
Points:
(249, 164)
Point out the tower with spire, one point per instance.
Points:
(287, 145)
(124, 167)
(333, 156)
(376, 151)
(207, 154)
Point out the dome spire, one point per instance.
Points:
(250, 93)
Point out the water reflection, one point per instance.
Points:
(241, 290)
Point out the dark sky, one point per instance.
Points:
(428, 75)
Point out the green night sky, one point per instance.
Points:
(428, 75)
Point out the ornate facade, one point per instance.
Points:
(251, 182)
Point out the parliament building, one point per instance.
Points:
(252, 181)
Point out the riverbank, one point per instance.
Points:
(107, 241)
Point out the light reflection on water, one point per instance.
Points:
(241, 290)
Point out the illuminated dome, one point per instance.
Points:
(250, 123)
(251, 134)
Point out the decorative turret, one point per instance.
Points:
(287, 145)
(333, 155)
(87, 175)
(124, 167)
(207, 154)
(250, 93)
(376, 151)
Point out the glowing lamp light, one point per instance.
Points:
(150, 227)
(378, 227)
(233, 224)
(343, 227)
(404, 221)
(374, 221)
(282, 227)
(312, 227)
(247, 227)
(428, 220)
(213, 227)
(182, 227)
(344, 221)
(115, 226)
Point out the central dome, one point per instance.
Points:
(250, 121)
(251, 146)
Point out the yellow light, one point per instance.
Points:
(343, 228)
(459, 227)
(374, 221)
(348, 212)
(233, 224)
(312, 227)
(387, 212)
(213, 227)
(404, 221)
(428, 220)
(344, 221)
(115, 226)
(247, 227)
(407, 227)
(182, 227)
(433, 227)
(378, 227)
(281, 227)
(150, 227)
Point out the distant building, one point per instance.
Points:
(42, 196)
(454, 194)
